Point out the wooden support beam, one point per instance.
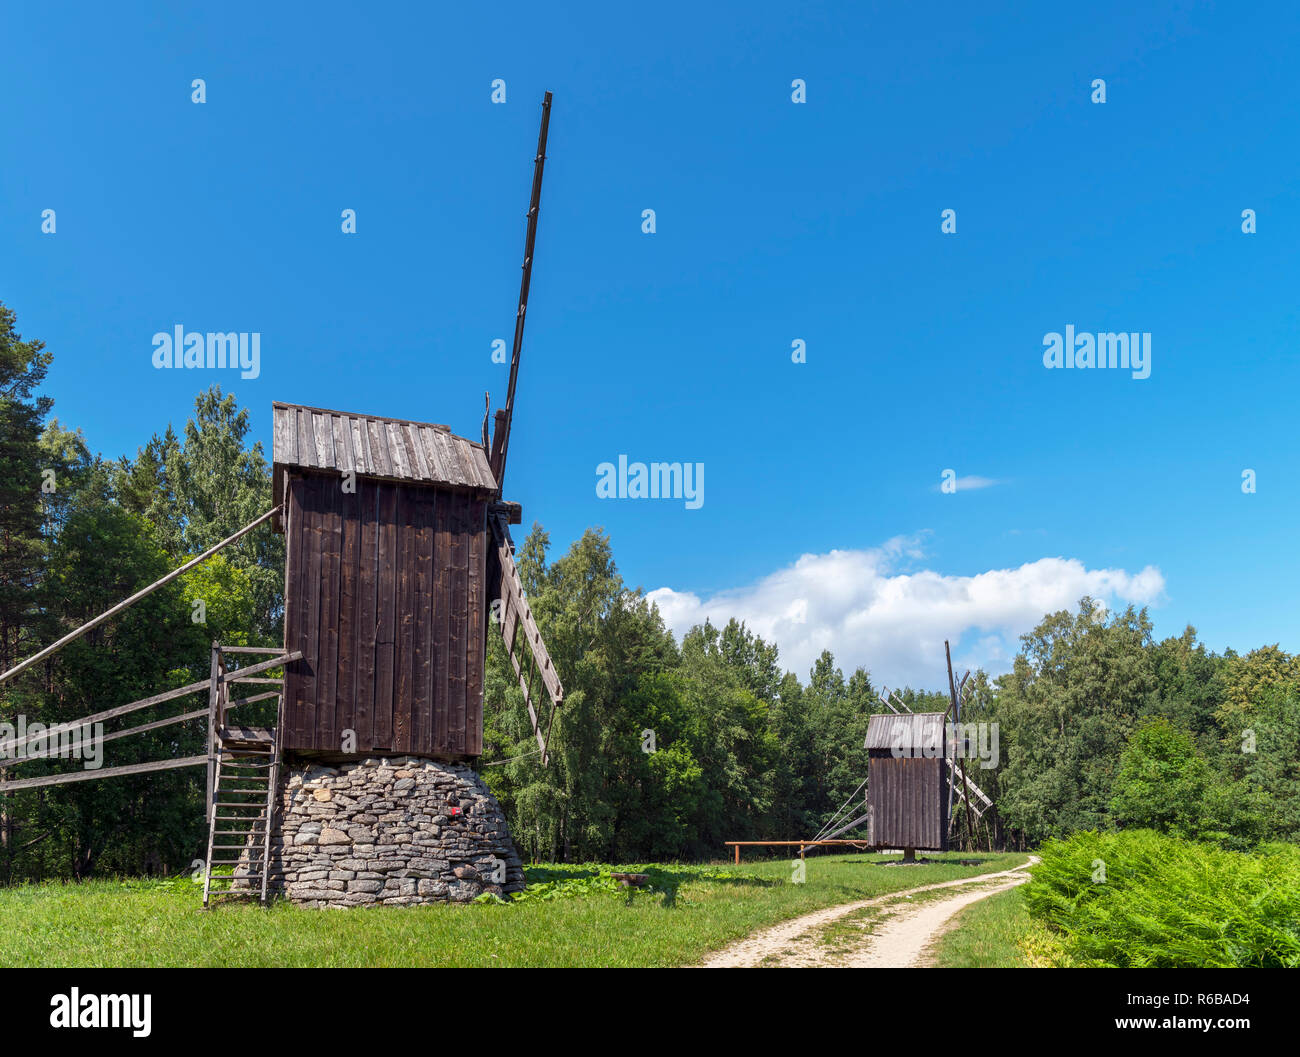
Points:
(103, 772)
(514, 513)
(844, 829)
(214, 699)
(111, 713)
(517, 609)
(198, 714)
(182, 718)
(252, 649)
(240, 674)
(249, 700)
(73, 635)
(789, 843)
(516, 614)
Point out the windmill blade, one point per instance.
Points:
(956, 772)
(903, 705)
(504, 417)
(847, 826)
(514, 616)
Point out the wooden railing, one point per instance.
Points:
(217, 686)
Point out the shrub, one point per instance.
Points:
(1141, 899)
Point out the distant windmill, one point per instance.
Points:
(914, 774)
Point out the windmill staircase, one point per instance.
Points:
(240, 812)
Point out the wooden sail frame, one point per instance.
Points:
(514, 614)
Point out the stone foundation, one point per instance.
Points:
(390, 831)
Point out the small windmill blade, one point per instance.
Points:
(515, 615)
(893, 701)
(957, 773)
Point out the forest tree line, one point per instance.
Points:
(1101, 726)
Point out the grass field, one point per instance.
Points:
(987, 934)
(573, 916)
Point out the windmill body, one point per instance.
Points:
(393, 541)
(907, 781)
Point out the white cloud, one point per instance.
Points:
(865, 609)
(969, 484)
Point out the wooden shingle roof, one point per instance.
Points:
(909, 734)
(311, 438)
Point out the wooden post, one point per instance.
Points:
(223, 689)
(214, 693)
(737, 854)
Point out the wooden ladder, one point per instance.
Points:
(240, 813)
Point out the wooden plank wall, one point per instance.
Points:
(906, 799)
(385, 597)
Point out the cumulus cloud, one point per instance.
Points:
(869, 607)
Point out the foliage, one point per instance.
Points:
(1142, 899)
(1165, 783)
(203, 488)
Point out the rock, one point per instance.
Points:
(334, 836)
(392, 832)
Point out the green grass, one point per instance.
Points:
(571, 917)
(989, 934)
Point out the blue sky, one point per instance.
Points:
(775, 221)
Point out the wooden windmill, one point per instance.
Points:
(398, 549)
(914, 773)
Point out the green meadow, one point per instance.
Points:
(569, 916)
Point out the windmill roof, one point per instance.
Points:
(312, 438)
(907, 732)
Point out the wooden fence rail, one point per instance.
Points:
(10, 747)
(219, 704)
(103, 772)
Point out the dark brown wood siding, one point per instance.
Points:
(385, 598)
(906, 799)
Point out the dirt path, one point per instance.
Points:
(899, 940)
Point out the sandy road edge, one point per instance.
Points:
(751, 950)
(907, 939)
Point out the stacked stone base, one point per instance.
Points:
(390, 832)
